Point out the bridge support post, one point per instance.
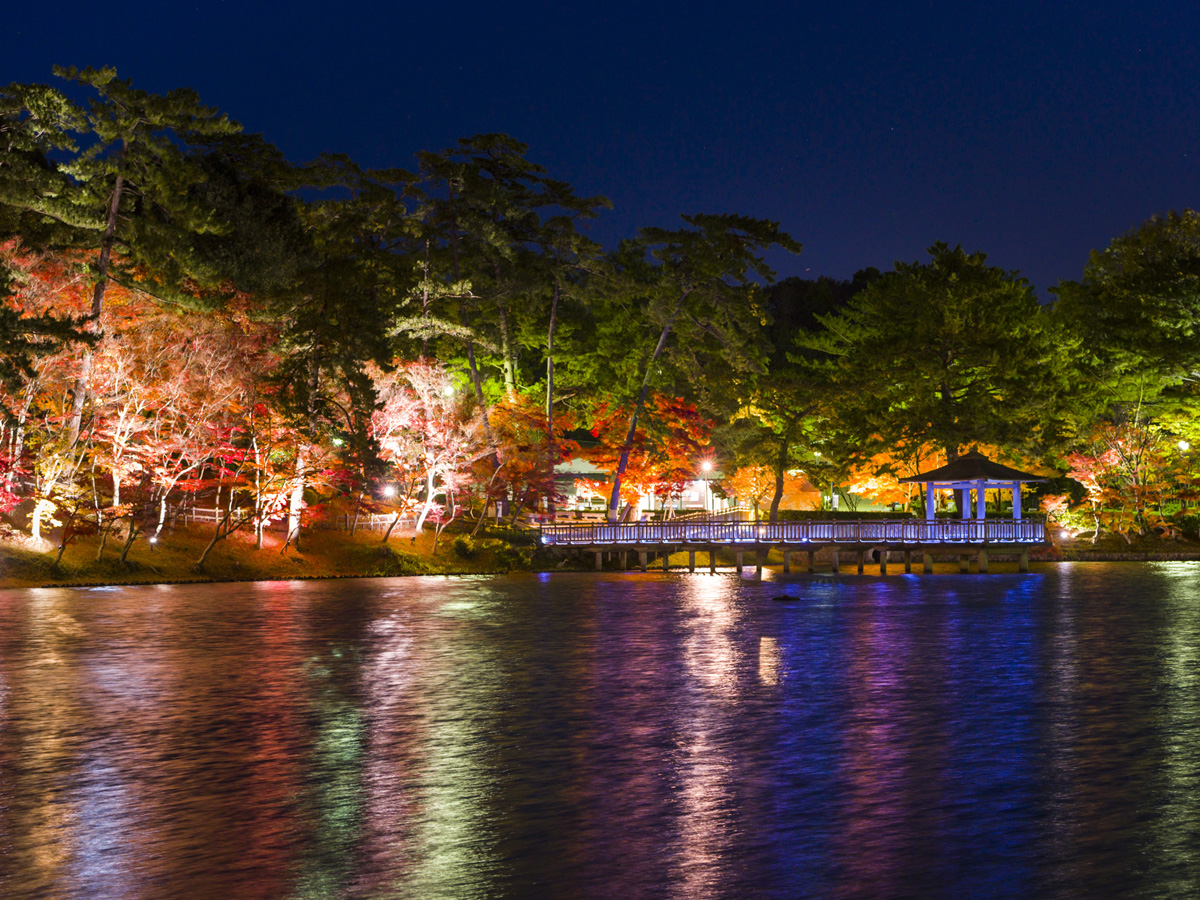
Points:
(623, 561)
(883, 555)
(739, 563)
(787, 561)
(666, 559)
(599, 560)
(691, 560)
(758, 563)
(834, 552)
(964, 563)
(907, 562)
(642, 559)
(862, 554)
(927, 563)
(712, 560)
(1023, 560)
(982, 559)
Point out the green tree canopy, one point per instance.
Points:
(685, 305)
(952, 352)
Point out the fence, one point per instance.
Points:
(819, 532)
(371, 522)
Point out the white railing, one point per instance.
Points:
(819, 532)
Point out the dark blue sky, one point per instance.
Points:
(1034, 132)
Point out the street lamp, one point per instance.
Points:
(389, 491)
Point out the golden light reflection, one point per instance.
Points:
(705, 772)
(709, 648)
(770, 661)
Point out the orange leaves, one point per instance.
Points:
(527, 451)
(750, 484)
(664, 453)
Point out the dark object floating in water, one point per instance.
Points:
(784, 598)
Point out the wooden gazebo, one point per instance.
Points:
(972, 472)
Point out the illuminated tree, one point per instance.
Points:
(123, 179)
(661, 456)
(528, 453)
(1138, 304)
(780, 416)
(424, 429)
(952, 352)
(750, 485)
(692, 293)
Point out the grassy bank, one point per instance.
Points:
(336, 554)
(323, 554)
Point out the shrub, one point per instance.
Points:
(1189, 526)
(402, 564)
(514, 558)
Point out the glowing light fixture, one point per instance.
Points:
(1184, 446)
(389, 491)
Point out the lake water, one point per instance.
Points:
(606, 735)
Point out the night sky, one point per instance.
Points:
(1034, 132)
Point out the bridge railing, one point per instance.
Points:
(827, 531)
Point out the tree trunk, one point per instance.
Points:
(104, 538)
(429, 478)
(550, 391)
(614, 500)
(780, 471)
(441, 526)
(106, 244)
(217, 535)
(66, 537)
(425, 306)
(296, 500)
(387, 534)
(510, 368)
(18, 442)
(129, 538)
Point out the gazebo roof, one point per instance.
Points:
(971, 466)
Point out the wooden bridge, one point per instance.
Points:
(962, 537)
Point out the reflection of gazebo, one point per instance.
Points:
(973, 472)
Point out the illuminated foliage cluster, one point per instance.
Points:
(186, 318)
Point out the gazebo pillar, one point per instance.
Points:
(1016, 504)
(980, 501)
(930, 501)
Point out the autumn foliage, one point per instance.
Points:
(662, 459)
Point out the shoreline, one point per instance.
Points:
(337, 555)
(1067, 557)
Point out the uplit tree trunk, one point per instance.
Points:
(296, 499)
(550, 390)
(429, 483)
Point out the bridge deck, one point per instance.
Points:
(811, 533)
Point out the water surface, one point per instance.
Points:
(585, 735)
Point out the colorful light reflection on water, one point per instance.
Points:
(606, 736)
